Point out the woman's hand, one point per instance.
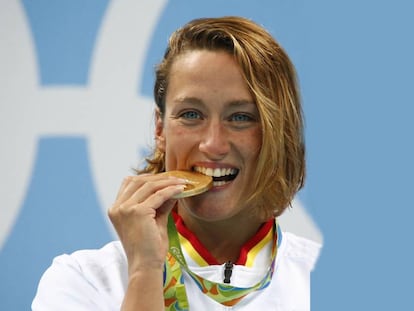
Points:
(140, 215)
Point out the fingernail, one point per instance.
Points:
(181, 187)
(181, 180)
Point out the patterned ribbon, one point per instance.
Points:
(175, 296)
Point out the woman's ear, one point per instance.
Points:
(159, 131)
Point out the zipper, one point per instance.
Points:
(228, 270)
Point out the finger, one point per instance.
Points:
(127, 186)
(155, 203)
(153, 186)
(162, 200)
(145, 201)
(149, 183)
(124, 184)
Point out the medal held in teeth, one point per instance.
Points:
(196, 183)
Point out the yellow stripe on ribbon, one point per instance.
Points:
(195, 256)
(252, 254)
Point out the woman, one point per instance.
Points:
(227, 106)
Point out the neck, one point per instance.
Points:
(223, 239)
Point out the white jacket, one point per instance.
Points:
(97, 279)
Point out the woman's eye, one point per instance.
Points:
(241, 117)
(190, 115)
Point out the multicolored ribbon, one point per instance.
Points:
(175, 296)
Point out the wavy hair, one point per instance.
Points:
(272, 81)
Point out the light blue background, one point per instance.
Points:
(355, 62)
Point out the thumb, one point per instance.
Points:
(164, 211)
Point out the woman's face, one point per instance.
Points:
(211, 125)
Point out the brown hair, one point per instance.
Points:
(272, 80)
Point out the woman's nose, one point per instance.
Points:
(215, 141)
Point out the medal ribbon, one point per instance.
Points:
(174, 290)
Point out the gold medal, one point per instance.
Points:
(196, 183)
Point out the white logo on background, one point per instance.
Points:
(108, 111)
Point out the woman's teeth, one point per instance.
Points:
(220, 176)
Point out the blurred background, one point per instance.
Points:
(76, 116)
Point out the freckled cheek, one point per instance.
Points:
(178, 146)
(251, 145)
(253, 153)
(178, 134)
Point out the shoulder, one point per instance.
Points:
(91, 259)
(300, 249)
(107, 255)
(83, 280)
(95, 265)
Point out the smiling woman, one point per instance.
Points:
(217, 137)
(267, 80)
(228, 110)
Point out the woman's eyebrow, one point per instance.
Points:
(189, 100)
(231, 104)
(241, 103)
